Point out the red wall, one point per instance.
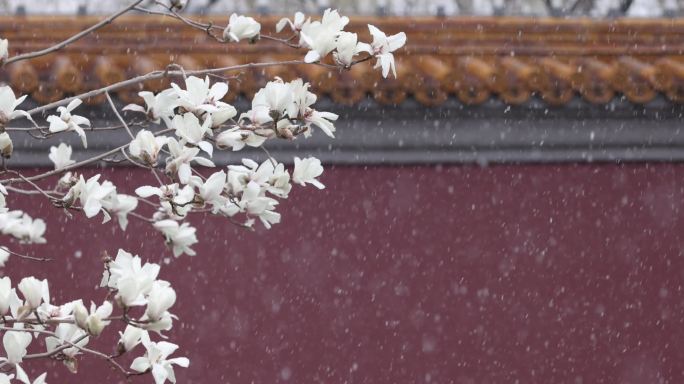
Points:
(529, 274)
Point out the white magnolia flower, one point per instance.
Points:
(241, 27)
(61, 155)
(4, 256)
(132, 279)
(306, 171)
(253, 200)
(120, 205)
(23, 227)
(320, 36)
(39, 380)
(95, 321)
(296, 24)
(9, 104)
(130, 337)
(67, 333)
(68, 122)
(276, 97)
(160, 299)
(165, 323)
(4, 50)
(3, 204)
(34, 291)
(159, 106)
(180, 159)
(382, 48)
(188, 128)
(146, 146)
(179, 236)
(211, 190)
(236, 139)
(5, 378)
(91, 194)
(300, 108)
(200, 98)
(15, 343)
(8, 296)
(156, 360)
(6, 145)
(346, 47)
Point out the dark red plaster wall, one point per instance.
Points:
(454, 274)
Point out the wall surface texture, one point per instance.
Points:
(425, 274)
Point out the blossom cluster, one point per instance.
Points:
(324, 37)
(68, 328)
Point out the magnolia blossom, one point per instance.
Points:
(160, 299)
(382, 48)
(34, 291)
(254, 203)
(241, 27)
(180, 159)
(8, 295)
(15, 344)
(120, 205)
(68, 333)
(61, 155)
(179, 236)
(189, 129)
(4, 256)
(6, 145)
(201, 99)
(296, 24)
(9, 104)
(146, 146)
(320, 36)
(4, 50)
(346, 47)
(159, 106)
(276, 96)
(91, 194)
(130, 278)
(130, 338)
(39, 380)
(95, 321)
(23, 227)
(211, 190)
(156, 360)
(3, 203)
(68, 122)
(236, 139)
(300, 108)
(306, 171)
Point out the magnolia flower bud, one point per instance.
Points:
(6, 146)
(34, 291)
(81, 316)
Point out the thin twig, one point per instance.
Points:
(116, 112)
(27, 257)
(73, 38)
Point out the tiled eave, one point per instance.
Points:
(471, 60)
